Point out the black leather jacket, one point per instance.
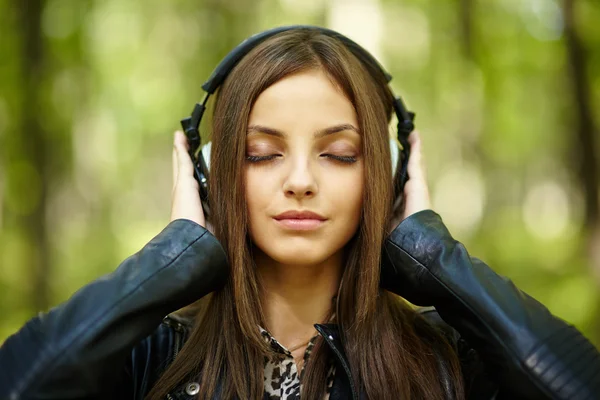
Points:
(110, 339)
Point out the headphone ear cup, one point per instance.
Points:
(395, 152)
(398, 175)
(205, 151)
(203, 165)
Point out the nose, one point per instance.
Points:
(300, 181)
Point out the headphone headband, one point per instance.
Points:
(230, 61)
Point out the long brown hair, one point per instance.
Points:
(391, 350)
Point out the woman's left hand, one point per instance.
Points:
(416, 192)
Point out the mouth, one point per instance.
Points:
(300, 220)
(300, 224)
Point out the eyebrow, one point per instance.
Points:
(317, 135)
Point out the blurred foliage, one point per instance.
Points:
(91, 91)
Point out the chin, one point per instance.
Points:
(298, 253)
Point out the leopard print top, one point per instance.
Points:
(282, 380)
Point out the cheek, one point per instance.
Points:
(347, 190)
(253, 192)
(259, 195)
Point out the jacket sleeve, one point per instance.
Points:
(528, 351)
(79, 349)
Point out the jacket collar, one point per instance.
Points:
(331, 334)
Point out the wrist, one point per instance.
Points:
(422, 235)
(411, 256)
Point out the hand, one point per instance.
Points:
(186, 202)
(416, 192)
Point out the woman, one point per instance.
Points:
(305, 277)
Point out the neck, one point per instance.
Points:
(295, 297)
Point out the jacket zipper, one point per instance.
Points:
(342, 360)
(178, 332)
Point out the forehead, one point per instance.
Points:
(305, 101)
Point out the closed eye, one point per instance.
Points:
(256, 159)
(342, 159)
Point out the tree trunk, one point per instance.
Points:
(584, 146)
(584, 141)
(30, 148)
(466, 28)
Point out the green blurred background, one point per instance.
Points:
(505, 91)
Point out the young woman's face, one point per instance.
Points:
(303, 155)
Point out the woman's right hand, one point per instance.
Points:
(186, 202)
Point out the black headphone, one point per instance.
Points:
(191, 124)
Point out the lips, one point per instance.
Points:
(300, 215)
(300, 220)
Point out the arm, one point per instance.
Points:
(531, 353)
(78, 349)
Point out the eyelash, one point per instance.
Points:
(342, 159)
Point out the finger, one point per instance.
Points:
(415, 161)
(180, 139)
(185, 168)
(414, 137)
